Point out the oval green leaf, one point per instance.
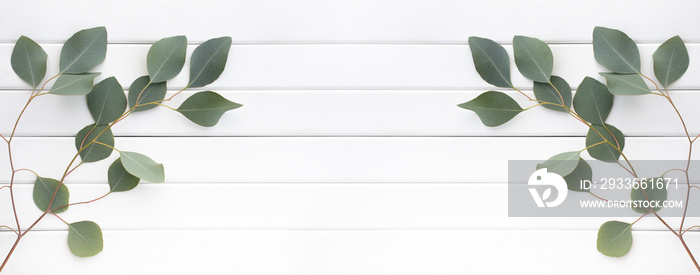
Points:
(491, 61)
(656, 192)
(29, 61)
(73, 84)
(670, 61)
(593, 101)
(605, 151)
(557, 91)
(626, 84)
(106, 101)
(533, 58)
(83, 51)
(142, 92)
(206, 108)
(493, 108)
(208, 61)
(44, 189)
(85, 239)
(562, 163)
(142, 167)
(616, 51)
(119, 179)
(94, 152)
(582, 172)
(166, 58)
(615, 238)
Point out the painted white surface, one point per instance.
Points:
(349, 155)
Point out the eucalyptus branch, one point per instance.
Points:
(590, 105)
(107, 104)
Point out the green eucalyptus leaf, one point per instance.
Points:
(616, 51)
(562, 163)
(491, 61)
(119, 179)
(615, 238)
(142, 92)
(85, 238)
(533, 58)
(206, 108)
(593, 101)
(605, 151)
(166, 58)
(142, 167)
(73, 84)
(208, 61)
(626, 84)
(106, 101)
(29, 61)
(94, 152)
(83, 51)
(582, 172)
(493, 108)
(556, 91)
(656, 191)
(43, 192)
(670, 61)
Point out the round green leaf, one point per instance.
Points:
(43, 191)
(119, 179)
(562, 164)
(83, 51)
(142, 92)
(94, 152)
(73, 84)
(556, 91)
(615, 238)
(593, 101)
(206, 108)
(616, 51)
(605, 151)
(491, 61)
(582, 172)
(166, 58)
(142, 166)
(106, 101)
(208, 61)
(626, 84)
(493, 108)
(656, 191)
(670, 61)
(29, 61)
(533, 58)
(85, 238)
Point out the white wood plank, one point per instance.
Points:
(258, 206)
(350, 113)
(330, 67)
(365, 21)
(327, 160)
(351, 252)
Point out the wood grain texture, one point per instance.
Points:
(309, 206)
(351, 113)
(323, 159)
(348, 67)
(349, 155)
(345, 21)
(352, 252)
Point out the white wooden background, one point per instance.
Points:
(350, 155)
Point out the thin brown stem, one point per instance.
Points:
(689, 228)
(83, 202)
(10, 228)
